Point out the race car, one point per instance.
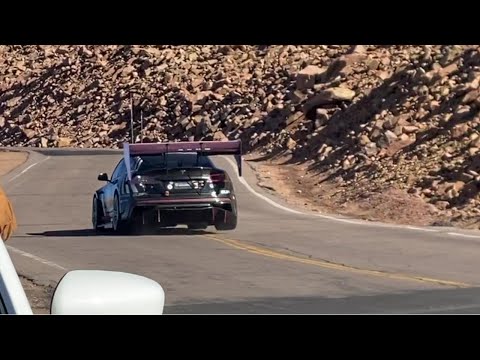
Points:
(159, 185)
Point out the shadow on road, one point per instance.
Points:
(443, 301)
(91, 232)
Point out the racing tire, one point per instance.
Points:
(230, 224)
(119, 226)
(135, 224)
(97, 215)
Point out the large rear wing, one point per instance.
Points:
(200, 147)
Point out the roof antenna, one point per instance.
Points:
(131, 117)
(141, 126)
(199, 153)
(165, 157)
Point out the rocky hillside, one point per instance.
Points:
(368, 116)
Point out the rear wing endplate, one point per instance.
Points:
(207, 148)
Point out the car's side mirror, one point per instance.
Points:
(96, 292)
(102, 177)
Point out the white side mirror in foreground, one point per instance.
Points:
(94, 292)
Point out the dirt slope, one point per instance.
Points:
(370, 122)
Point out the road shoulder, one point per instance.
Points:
(38, 295)
(306, 190)
(10, 160)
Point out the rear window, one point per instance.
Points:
(175, 160)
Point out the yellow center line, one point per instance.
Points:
(240, 245)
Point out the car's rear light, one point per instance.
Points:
(217, 178)
(146, 185)
(137, 185)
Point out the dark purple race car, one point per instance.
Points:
(168, 184)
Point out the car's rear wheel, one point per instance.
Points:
(118, 225)
(97, 215)
(136, 226)
(228, 223)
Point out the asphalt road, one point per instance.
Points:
(277, 260)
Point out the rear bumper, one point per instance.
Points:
(182, 203)
(173, 211)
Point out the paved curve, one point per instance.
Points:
(276, 261)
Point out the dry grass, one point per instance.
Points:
(9, 160)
